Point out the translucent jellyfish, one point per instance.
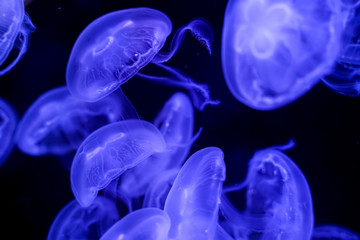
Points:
(278, 200)
(15, 28)
(8, 122)
(274, 51)
(333, 232)
(114, 47)
(144, 224)
(193, 200)
(57, 123)
(110, 151)
(75, 222)
(176, 123)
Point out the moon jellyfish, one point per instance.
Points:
(57, 123)
(15, 28)
(176, 123)
(144, 224)
(333, 232)
(278, 200)
(110, 151)
(275, 51)
(8, 122)
(75, 222)
(114, 47)
(193, 200)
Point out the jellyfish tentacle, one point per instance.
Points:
(200, 29)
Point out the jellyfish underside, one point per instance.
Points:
(333, 232)
(8, 124)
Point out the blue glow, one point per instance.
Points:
(275, 51)
(110, 151)
(333, 232)
(75, 222)
(57, 123)
(278, 200)
(15, 28)
(8, 123)
(114, 47)
(193, 200)
(146, 223)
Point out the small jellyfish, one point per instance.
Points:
(76, 222)
(57, 123)
(278, 200)
(193, 201)
(176, 123)
(15, 28)
(8, 122)
(274, 51)
(333, 232)
(144, 224)
(108, 152)
(114, 47)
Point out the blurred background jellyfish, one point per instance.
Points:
(114, 47)
(278, 200)
(15, 28)
(176, 123)
(109, 152)
(76, 222)
(8, 123)
(333, 232)
(273, 52)
(193, 201)
(144, 224)
(57, 123)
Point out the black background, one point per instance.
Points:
(325, 125)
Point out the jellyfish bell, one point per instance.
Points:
(273, 52)
(15, 28)
(333, 232)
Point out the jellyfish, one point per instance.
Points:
(114, 47)
(278, 200)
(333, 232)
(108, 152)
(15, 28)
(193, 201)
(75, 222)
(176, 123)
(57, 123)
(8, 123)
(273, 52)
(144, 224)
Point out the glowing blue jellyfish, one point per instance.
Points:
(144, 224)
(333, 232)
(278, 200)
(15, 28)
(57, 123)
(75, 222)
(114, 47)
(110, 151)
(275, 51)
(193, 200)
(8, 122)
(176, 123)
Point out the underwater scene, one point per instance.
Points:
(162, 120)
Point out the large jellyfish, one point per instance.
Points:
(274, 51)
(109, 152)
(144, 224)
(57, 123)
(15, 28)
(76, 222)
(333, 232)
(176, 123)
(114, 47)
(8, 123)
(193, 201)
(278, 200)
